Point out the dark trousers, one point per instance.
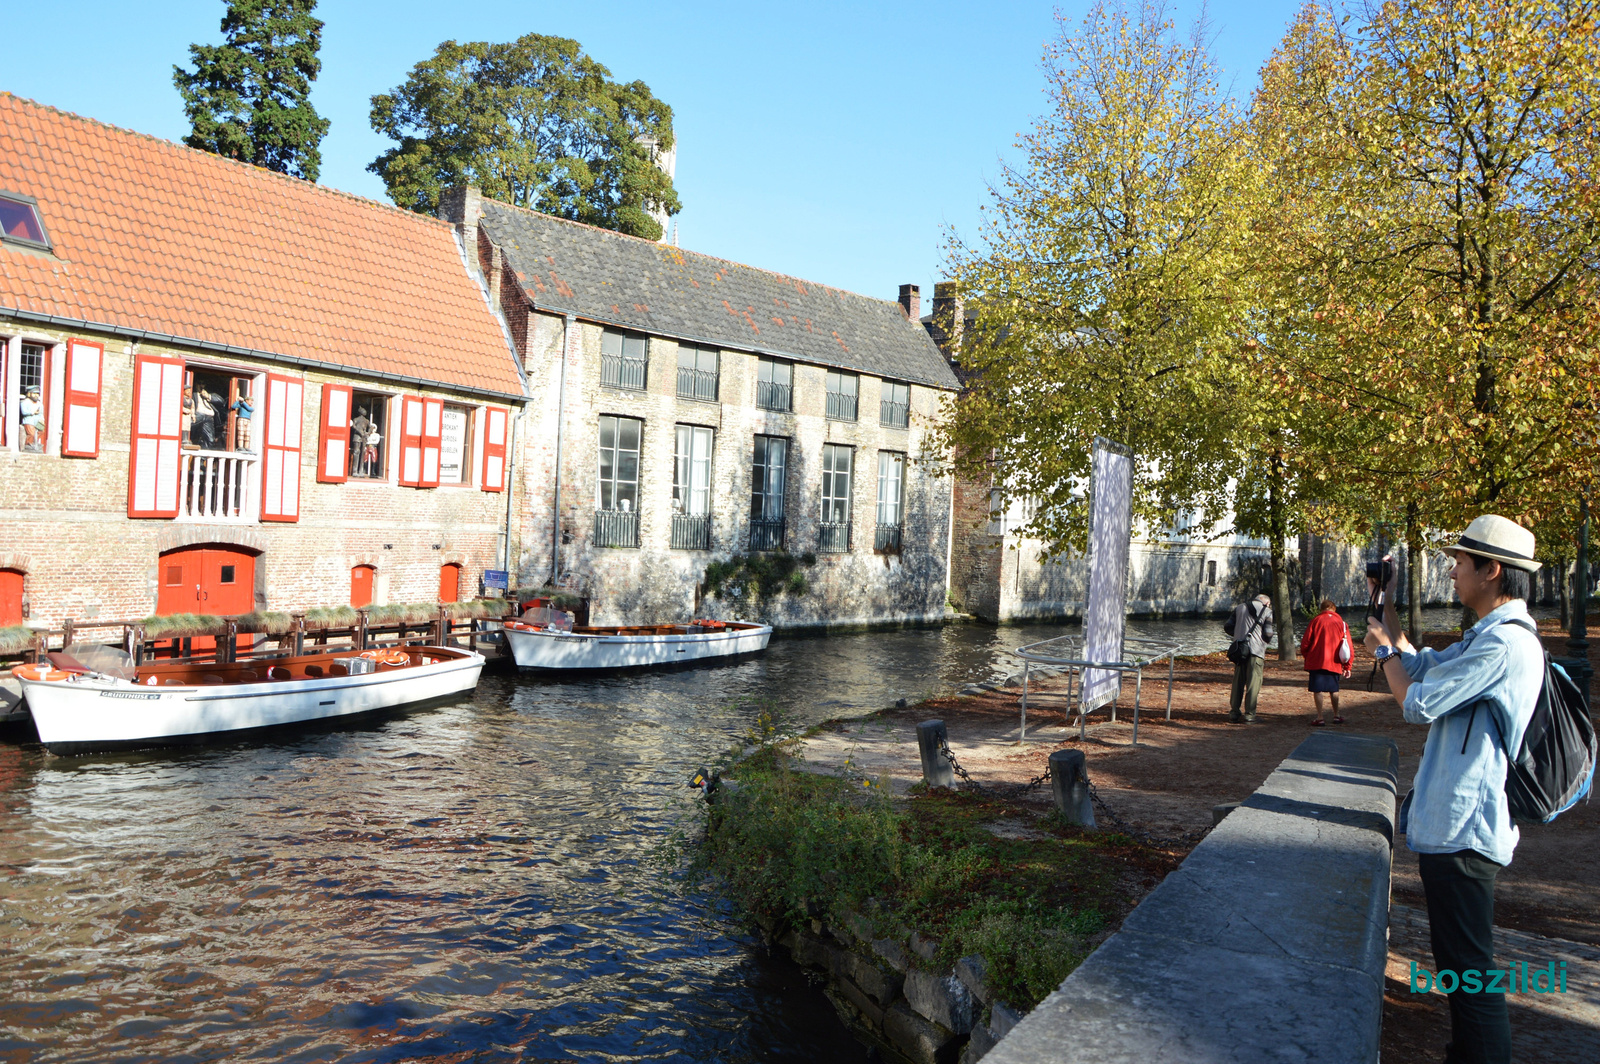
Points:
(1246, 688)
(1460, 891)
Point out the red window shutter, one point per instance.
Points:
(157, 425)
(411, 442)
(432, 440)
(333, 455)
(81, 438)
(280, 478)
(497, 423)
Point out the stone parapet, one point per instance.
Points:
(1267, 944)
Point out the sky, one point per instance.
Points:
(840, 143)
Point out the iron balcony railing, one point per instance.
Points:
(833, 537)
(894, 415)
(691, 531)
(841, 407)
(766, 533)
(771, 395)
(887, 538)
(697, 383)
(616, 528)
(618, 371)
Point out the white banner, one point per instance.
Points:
(1110, 536)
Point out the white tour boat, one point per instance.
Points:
(77, 710)
(552, 646)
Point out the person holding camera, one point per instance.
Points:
(1252, 629)
(1476, 697)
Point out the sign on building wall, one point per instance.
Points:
(1110, 537)
(453, 446)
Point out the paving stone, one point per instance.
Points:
(944, 999)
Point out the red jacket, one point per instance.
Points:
(1320, 644)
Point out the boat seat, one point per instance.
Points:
(314, 670)
(212, 677)
(337, 669)
(278, 672)
(172, 681)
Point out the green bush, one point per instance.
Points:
(747, 580)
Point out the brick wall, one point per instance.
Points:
(65, 519)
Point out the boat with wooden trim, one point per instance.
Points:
(588, 647)
(77, 710)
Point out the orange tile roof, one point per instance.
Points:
(155, 237)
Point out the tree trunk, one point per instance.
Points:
(1564, 586)
(1282, 609)
(1416, 561)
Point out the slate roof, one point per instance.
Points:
(598, 275)
(150, 236)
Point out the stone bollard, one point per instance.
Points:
(931, 741)
(1069, 782)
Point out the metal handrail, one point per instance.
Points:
(691, 531)
(766, 533)
(894, 415)
(1147, 652)
(616, 528)
(697, 383)
(770, 395)
(841, 407)
(619, 371)
(833, 537)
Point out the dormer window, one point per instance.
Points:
(19, 221)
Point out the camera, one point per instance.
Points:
(1382, 571)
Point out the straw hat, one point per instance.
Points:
(1503, 540)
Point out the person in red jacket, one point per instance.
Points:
(1327, 639)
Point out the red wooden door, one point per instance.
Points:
(361, 586)
(217, 581)
(10, 597)
(449, 582)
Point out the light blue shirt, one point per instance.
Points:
(1458, 801)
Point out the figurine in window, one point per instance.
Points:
(187, 419)
(32, 411)
(360, 429)
(242, 408)
(205, 418)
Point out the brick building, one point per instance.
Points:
(684, 409)
(225, 389)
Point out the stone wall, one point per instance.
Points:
(64, 520)
(657, 583)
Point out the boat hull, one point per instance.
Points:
(94, 714)
(549, 650)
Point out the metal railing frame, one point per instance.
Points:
(700, 384)
(616, 528)
(1146, 652)
(619, 371)
(691, 532)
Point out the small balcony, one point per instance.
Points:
(887, 539)
(841, 407)
(616, 528)
(833, 537)
(619, 371)
(697, 384)
(771, 395)
(894, 415)
(218, 486)
(691, 531)
(766, 533)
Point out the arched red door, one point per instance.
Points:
(11, 581)
(361, 586)
(449, 582)
(211, 579)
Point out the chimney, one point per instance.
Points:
(463, 205)
(949, 316)
(911, 301)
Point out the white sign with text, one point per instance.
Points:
(1110, 537)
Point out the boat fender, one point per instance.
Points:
(40, 671)
(393, 657)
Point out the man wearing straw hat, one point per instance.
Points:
(1476, 698)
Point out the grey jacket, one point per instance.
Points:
(1252, 620)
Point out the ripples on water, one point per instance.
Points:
(467, 883)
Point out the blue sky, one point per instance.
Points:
(832, 141)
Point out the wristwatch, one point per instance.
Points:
(1384, 653)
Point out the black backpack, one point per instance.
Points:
(1555, 765)
(1239, 649)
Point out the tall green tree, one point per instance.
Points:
(537, 123)
(249, 98)
(1103, 282)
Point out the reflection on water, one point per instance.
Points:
(468, 883)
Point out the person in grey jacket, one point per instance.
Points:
(1252, 622)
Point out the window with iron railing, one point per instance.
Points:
(691, 489)
(842, 391)
(891, 491)
(833, 533)
(894, 408)
(774, 385)
(616, 519)
(768, 470)
(697, 373)
(624, 359)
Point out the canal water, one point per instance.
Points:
(479, 882)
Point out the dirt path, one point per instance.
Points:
(1168, 784)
